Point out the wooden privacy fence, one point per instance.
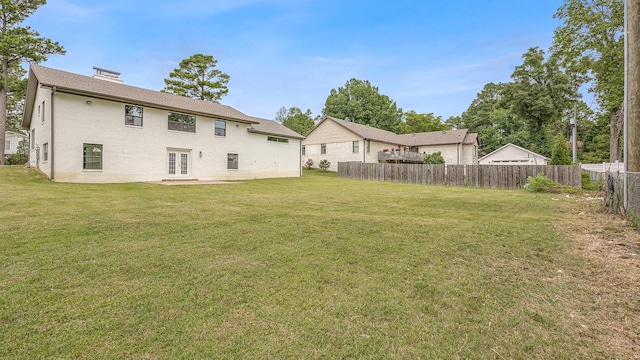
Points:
(486, 176)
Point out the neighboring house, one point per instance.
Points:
(98, 130)
(11, 141)
(511, 154)
(338, 140)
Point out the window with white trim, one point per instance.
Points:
(7, 145)
(92, 157)
(323, 149)
(133, 115)
(220, 128)
(277, 139)
(356, 147)
(45, 152)
(182, 122)
(232, 161)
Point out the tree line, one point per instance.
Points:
(535, 108)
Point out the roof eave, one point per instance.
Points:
(254, 131)
(32, 86)
(144, 103)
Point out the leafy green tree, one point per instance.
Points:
(454, 122)
(540, 93)
(590, 42)
(417, 123)
(18, 44)
(597, 151)
(295, 119)
(560, 155)
(15, 97)
(490, 116)
(198, 78)
(434, 158)
(360, 102)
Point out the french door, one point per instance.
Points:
(178, 164)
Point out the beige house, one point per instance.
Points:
(511, 154)
(338, 140)
(12, 139)
(98, 130)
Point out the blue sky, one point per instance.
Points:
(431, 56)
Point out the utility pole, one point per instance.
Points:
(574, 136)
(633, 86)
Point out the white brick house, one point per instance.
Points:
(12, 139)
(338, 140)
(98, 130)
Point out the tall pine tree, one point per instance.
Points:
(19, 44)
(198, 78)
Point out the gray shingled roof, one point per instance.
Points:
(434, 137)
(365, 131)
(417, 139)
(84, 85)
(270, 127)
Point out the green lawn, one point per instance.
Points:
(312, 267)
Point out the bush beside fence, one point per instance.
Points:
(486, 176)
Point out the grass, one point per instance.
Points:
(312, 267)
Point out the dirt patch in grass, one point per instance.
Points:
(606, 305)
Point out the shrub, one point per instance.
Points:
(308, 164)
(434, 158)
(541, 183)
(21, 156)
(324, 165)
(560, 154)
(587, 184)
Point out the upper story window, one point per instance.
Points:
(356, 147)
(133, 115)
(221, 128)
(323, 149)
(43, 112)
(277, 139)
(182, 122)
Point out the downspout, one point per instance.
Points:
(51, 150)
(364, 151)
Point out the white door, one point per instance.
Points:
(178, 164)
